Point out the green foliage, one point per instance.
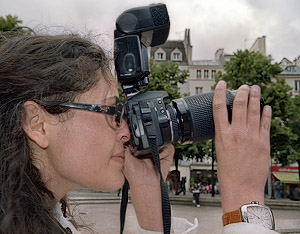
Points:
(248, 68)
(197, 150)
(294, 155)
(166, 76)
(9, 23)
(254, 68)
(10, 27)
(278, 95)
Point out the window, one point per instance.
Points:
(213, 74)
(205, 74)
(297, 85)
(160, 56)
(176, 56)
(291, 68)
(198, 73)
(198, 90)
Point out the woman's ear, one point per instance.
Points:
(34, 123)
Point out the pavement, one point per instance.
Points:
(100, 211)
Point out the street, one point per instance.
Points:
(104, 218)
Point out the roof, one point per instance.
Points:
(207, 62)
(290, 70)
(168, 47)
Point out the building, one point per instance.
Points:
(202, 72)
(260, 46)
(291, 73)
(291, 70)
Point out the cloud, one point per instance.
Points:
(228, 24)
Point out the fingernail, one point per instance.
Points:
(255, 89)
(244, 86)
(221, 83)
(268, 108)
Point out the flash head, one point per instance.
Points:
(151, 23)
(137, 29)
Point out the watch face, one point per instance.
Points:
(260, 215)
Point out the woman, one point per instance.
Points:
(50, 143)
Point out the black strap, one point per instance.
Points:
(123, 207)
(165, 201)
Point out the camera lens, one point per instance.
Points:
(192, 117)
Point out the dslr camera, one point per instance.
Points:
(184, 120)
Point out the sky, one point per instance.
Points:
(214, 24)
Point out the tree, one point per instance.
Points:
(253, 68)
(278, 96)
(9, 23)
(248, 67)
(166, 76)
(295, 126)
(10, 27)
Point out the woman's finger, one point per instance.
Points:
(239, 110)
(219, 106)
(253, 119)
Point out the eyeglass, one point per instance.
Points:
(110, 111)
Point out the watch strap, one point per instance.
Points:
(232, 217)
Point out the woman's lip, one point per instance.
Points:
(118, 158)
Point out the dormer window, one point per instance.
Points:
(160, 55)
(176, 55)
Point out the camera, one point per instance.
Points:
(184, 120)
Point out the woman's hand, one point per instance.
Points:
(142, 171)
(242, 147)
(145, 189)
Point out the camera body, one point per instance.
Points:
(184, 120)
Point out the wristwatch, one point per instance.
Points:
(251, 213)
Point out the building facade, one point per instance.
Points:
(291, 73)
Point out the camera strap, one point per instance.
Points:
(124, 203)
(165, 201)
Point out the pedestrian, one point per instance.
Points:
(217, 188)
(182, 186)
(294, 194)
(196, 194)
(278, 189)
(61, 129)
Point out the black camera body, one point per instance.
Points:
(148, 109)
(184, 120)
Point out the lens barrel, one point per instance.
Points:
(192, 117)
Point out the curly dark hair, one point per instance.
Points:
(49, 70)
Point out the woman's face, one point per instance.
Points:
(85, 151)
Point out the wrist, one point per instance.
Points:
(234, 200)
(146, 201)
